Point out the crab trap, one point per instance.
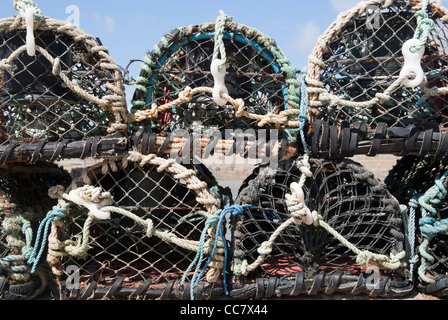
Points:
(24, 202)
(317, 227)
(139, 233)
(216, 76)
(421, 184)
(382, 64)
(57, 84)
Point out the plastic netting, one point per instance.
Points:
(70, 89)
(421, 185)
(308, 259)
(258, 74)
(125, 254)
(353, 70)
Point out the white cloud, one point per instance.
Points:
(306, 36)
(343, 5)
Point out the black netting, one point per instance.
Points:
(24, 202)
(411, 180)
(349, 199)
(38, 104)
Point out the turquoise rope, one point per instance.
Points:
(210, 223)
(216, 220)
(425, 26)
(430, 226)
(54, 215)
(304, 106)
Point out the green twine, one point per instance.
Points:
(22, 5)
(425, 26)
(293, 83)
(220, 28)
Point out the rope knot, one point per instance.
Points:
(364, 258)
(5, 65)
(150, 229)
(22, 5)
(154, 112)
(239, 106)
(265, 248)
(186, 95)
(305, 167)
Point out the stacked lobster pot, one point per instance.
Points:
(61, 97)
(161, 236)
(377, 85)
(149, 220)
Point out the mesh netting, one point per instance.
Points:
(71, 89)
(308, 259)
(422, 185)
(149, 243)
(24, 202)
(355, 71)
(260, 81)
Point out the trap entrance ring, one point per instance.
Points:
(274, 254)
(24, 202)
(175, 87)
(70, 90)
(354, 73)
(421, 185)
(154, 232)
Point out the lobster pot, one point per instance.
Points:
(411, 180)
(32, 75)
(24, 202)
(375, 46)
(198, 56)
(255, 74)
(123, 260)
(308, 259)
(362, 59)
(70, 90)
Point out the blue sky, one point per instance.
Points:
(130, 28)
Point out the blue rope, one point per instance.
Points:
(234, 211)
(210, 223)
(216, 220)
(54, 215)
(304, 105)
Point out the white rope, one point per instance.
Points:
(300, 214)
